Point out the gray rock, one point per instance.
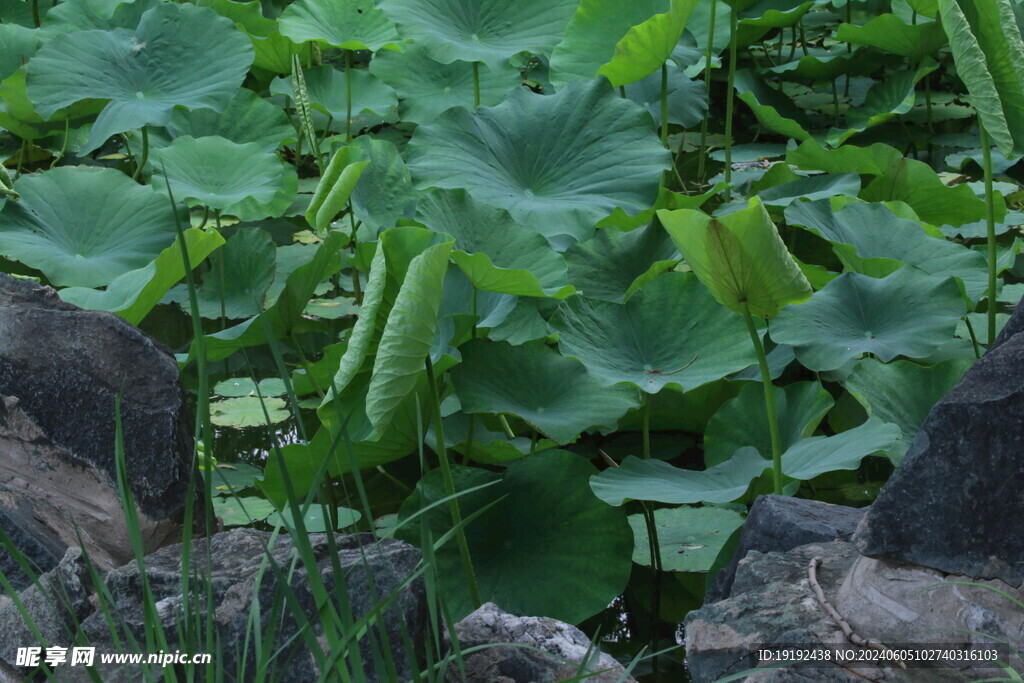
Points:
(508, 663)
(60, 371)
(781, 523)
(235, 559)
(772, 603)
(55, 604)
(952, 502)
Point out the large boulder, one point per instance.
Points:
(61, 369)
(952, 502)
(243, 570)
(781, 523)
(243, 583)
(772, 603)
(555, 651)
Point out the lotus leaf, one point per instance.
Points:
(522, 560)
(143, 73)
(85, 226)
(348, 24)
(554, 394)
(489, 31)
(670, 331)
(689, 538)
(907, 313)
(545, 158)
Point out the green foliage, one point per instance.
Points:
(384, 276)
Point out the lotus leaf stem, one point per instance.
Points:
(990, 225)
(449, 485)
(769, 401)
(730, 97)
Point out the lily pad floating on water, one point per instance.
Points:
(245, 386)
(248, 411)
(689, 538)
(180, 55)
(546, 159)
(242, 510)
(85, 226)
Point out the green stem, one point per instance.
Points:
(729, 97)
(803, 39)
(476, 84)
(504, 425)
(769, 400)
(835, 104)
(145, 153)
(35, 13)
(645, 413)
(990, 224)
(348, 95)
(974, 337)
(449, 485)
(664, 104)
(702, 153)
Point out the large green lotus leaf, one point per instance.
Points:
(496, 253)
(873, 160)
(363, 333)
(217, 173)
(83, 15)
(370, 448)
(884, 101)
(246, 118)
(335, 187)
(407, 336)
(426, 88)
(903, 392)
(17, 45)
(658, 481)
(862, 234)
(248, 412)
(689, 538)
(687, 99)
(772, 108)
(346, 24)
(546, 159)
(890, 33)
(287, 308)
(593, 33)
(817, 455)
(328, 92)
(489, 31)
(743, 421)
(85, 226)
(907, 313)
(19, 117)
(134, 294)
(613, 264)
(670, 332)
(384, 193)
(522, 324)
(739, 257)
(821, 65)
(143, 73)
(648, 45)
(552, 393)
(237, 387)
(987, 47)
(238, 279)
(757, 19)
(915, 183)
(531, 548)
(811, 188)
